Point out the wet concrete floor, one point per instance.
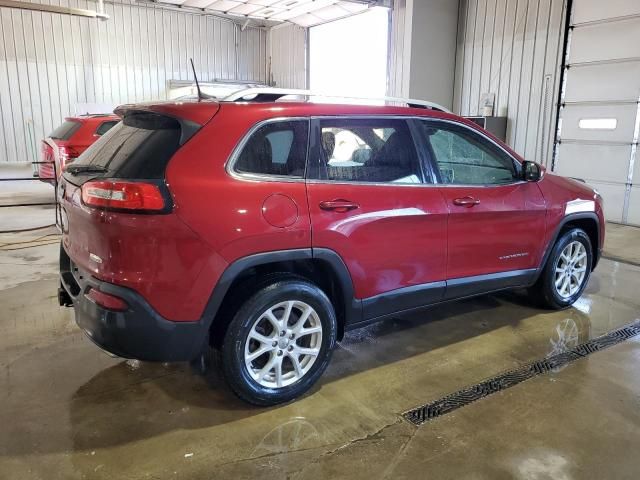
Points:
(69, 411)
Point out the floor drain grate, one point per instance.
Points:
(508, 379)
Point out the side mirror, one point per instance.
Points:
(531, 171)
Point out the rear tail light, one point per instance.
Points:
(122, 195)
(67, 155)
(105, 300)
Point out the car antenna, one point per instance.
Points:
(201, 96)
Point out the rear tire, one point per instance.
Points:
(566, 272)
(279, 342)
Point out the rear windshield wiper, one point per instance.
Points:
(75, 169)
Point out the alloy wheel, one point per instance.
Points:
(571, 269)
(283, 344)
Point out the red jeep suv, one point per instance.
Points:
(267, 228)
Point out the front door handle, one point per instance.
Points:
(338, 205)
(466, 201)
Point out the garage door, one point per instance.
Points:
(600, 114)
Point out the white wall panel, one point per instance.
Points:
(288, 56)
(50, 63)
(399, 50)
(512, 49)
(624, 115)
(586, 162)
(592, 43)
(633, 216)
(423, 50)
(590, 11)
(614, 195)
(433, 50)
(602, 84)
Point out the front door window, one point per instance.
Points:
(463, 157)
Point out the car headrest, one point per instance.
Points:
(328, 144)
(256, 156)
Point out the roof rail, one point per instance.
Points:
(273, 94)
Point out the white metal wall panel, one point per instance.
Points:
(614, 195)
(288, 56)
(605, 41)
(587, 161)
(595, 11)
(399, 47)
(603, 84)
(512, 49)
(252, 54)
(625, 116)
(633, 216)
(635, 171)
(49, 62)
(432, 55)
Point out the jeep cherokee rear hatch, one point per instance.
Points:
(116, 207)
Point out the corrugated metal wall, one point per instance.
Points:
(51, 62)
(399, 51)
(288, 56)
(513, 48)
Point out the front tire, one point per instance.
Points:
(567, 271)
(279, 342)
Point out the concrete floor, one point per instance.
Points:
(622, 243)
(29, 190)
(69, 411)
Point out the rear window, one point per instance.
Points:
(140, 146)
(105, 127)
(65, 131)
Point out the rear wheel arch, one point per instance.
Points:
(245, 276)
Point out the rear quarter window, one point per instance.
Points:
(276, 148)
(66, 130)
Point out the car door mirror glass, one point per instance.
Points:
(532, 171)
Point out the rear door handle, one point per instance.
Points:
(466, 201)
(338, 205)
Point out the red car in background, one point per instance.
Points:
(69, 140)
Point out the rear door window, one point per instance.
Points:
(377, 150)
(140, 146)
(65, 131)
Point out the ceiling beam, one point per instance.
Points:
(39, 7)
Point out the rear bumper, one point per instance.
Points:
(139, 332)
